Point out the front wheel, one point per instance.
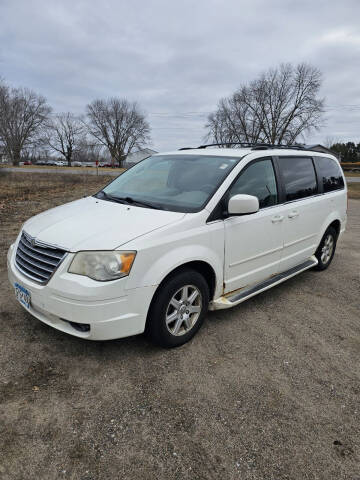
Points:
(178, 309)
(326, 249)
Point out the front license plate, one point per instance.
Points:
(23, 295)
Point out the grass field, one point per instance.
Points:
(59, 169)
(22, 196)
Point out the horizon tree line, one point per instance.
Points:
(280, 106)
(27, 123)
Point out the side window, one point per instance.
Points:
(330, 173)
(299, 177)
(259, 180)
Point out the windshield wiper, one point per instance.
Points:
(140, 203)
(111, 198)
(127, 200)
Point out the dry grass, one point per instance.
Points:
(23, 195)
(23, 187)
(87, 170)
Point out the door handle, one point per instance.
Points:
(293, 214)
(277, 218)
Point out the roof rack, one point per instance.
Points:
(253, 146)
(243, 144)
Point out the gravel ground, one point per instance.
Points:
(267, 390)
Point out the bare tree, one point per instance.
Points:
(64, 134)
(119, 125)
(89, 152)
(277, 107)
(330, 140)
(22, 114)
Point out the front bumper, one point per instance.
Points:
(111, 310)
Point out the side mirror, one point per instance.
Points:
(243, 204)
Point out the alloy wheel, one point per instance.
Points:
(327, 249)
(183, 310)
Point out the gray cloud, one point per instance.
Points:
(180, 57)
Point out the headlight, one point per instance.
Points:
(102, 266)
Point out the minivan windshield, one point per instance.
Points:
(179, 183)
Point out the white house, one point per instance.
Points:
(320, 148)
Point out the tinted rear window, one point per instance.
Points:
(299, 177)
(330, 174)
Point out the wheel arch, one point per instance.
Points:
(200, 266)
(336, 224)
(332, 221)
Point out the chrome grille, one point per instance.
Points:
(37, 260)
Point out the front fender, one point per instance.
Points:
(156, 270)
(162, 251)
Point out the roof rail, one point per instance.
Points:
(242, 144)
(253, 146)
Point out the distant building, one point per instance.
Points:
(136, 157)
(320, 148)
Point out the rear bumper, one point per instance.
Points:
(108, 318)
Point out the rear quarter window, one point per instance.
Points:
(330, 174)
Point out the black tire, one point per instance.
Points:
(325, 260)
(157, 328)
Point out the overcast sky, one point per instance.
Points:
(177, 58)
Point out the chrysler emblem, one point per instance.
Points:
(31, 240)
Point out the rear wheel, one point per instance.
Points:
(326, 249)
(178, 309)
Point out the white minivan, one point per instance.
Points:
(176, 234)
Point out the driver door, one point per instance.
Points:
(254, 243)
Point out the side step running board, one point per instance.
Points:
(242, 294)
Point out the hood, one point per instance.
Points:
(94, 224)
